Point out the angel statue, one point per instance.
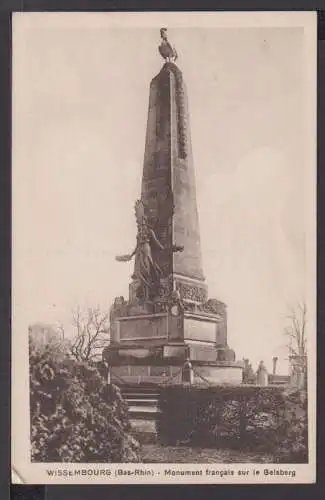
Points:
(147, 272)
(166, 50)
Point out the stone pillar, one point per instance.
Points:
(274, 360)
(187, 372)
(105, 371)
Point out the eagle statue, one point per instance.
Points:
(166, 50)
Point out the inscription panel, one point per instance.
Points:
(143, 328)
(199, 330)
(191, 292)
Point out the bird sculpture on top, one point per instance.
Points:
(166, 50)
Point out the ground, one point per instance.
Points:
(154, 453)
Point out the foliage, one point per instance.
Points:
(292, 439)
(242, 417)
(75, 415)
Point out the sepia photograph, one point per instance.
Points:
(164, 247)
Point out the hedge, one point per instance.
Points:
(245, 417)
(75, 416)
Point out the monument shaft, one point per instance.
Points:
(168, 185)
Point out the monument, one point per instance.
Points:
(168, 317)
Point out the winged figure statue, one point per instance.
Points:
(146, 270)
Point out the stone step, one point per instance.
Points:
(138, 413)
(142, 390)
(139, 391)
(142, 401)
(144, 430)
(140, 395)
(143, 409)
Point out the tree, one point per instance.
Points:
(91, 334)
(295, 331)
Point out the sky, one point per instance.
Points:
(80, 103)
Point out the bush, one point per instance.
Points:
(246, 417)
(75, 415)
(292, 438)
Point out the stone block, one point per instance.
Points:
(231, 374)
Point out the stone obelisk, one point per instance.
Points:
(168, 185)
(168, 317)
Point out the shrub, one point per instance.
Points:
(250, 417)
(75, 415)
(292, 438)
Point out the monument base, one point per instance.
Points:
(160, 364)
(216, 373)
(151, 342)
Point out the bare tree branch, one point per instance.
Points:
(295, 331)
(92, 333)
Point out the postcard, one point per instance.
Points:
(164, 248)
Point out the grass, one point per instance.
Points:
(154, 453)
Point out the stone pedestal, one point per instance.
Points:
(150, 342)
